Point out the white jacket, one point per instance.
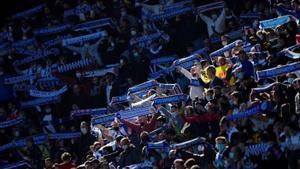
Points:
(218, 24)
(195, 91)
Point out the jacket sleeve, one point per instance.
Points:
(206, 19)
(133, 126)
(186, 73)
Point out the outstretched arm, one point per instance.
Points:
(185, 72)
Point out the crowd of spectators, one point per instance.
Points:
(270, 138)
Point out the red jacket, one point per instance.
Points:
(67, 165)
(149, 126)
(207, 117)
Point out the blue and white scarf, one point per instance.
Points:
(119, 99)
(187, 62)
(145, 38)
(257, 149)
(226, 48)
(170, 99)
(24, 43)
(209, 7)
(157, 74)
(97, 73)
(29, 12)
(23, 51)
(61, 136)
(276, 71)
(289, 52)
(84, 38)
(92, 112)
(143, 165)
(55, 41)
(123, 114)
(52, 30)
(143, 86)
(80, 9)
(163, 60)
(171, 13)
(9, 123)
(264, 88)
(19, 164)
(187, 144)
(273, 23)
(195, 82)
(49, 82)
(75, 65)
(47, 94)
(17, 79)
(23, 87)
(249, 112)
(93, 24)
(158, 145)
(40, 101)
(37, 56)
(4, 47)
(250, 16)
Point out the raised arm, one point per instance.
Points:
(206, 19)
(185, 72)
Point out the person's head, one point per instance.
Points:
(221, 61)
(189, 110)
(204, 64)
(48, 163)
(225, 40)
(236, 98)
(66, 157)
(242, 55)
(209, 94)
(144, 136)
(178, 164)
(84, 127)
(125, 142)
(235, 153)
(214, 15)
(96, 146)
(76, 89)
(29, 142)
(221, 143)
(189, 163)
(195, 167)
(118, 140)
(211, 71)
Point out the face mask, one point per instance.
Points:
(133, 33)
(224, 43)
(124, 147)
(135, 54)
(78, 74)
(208, 98)
(83, 130)
(231, 155)
(282, 146)
(240, 75)
(262, 61)
(290, 80)
(123, 13)
(48, 110)
(200, 148)
(116, 128)
(220, 147)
